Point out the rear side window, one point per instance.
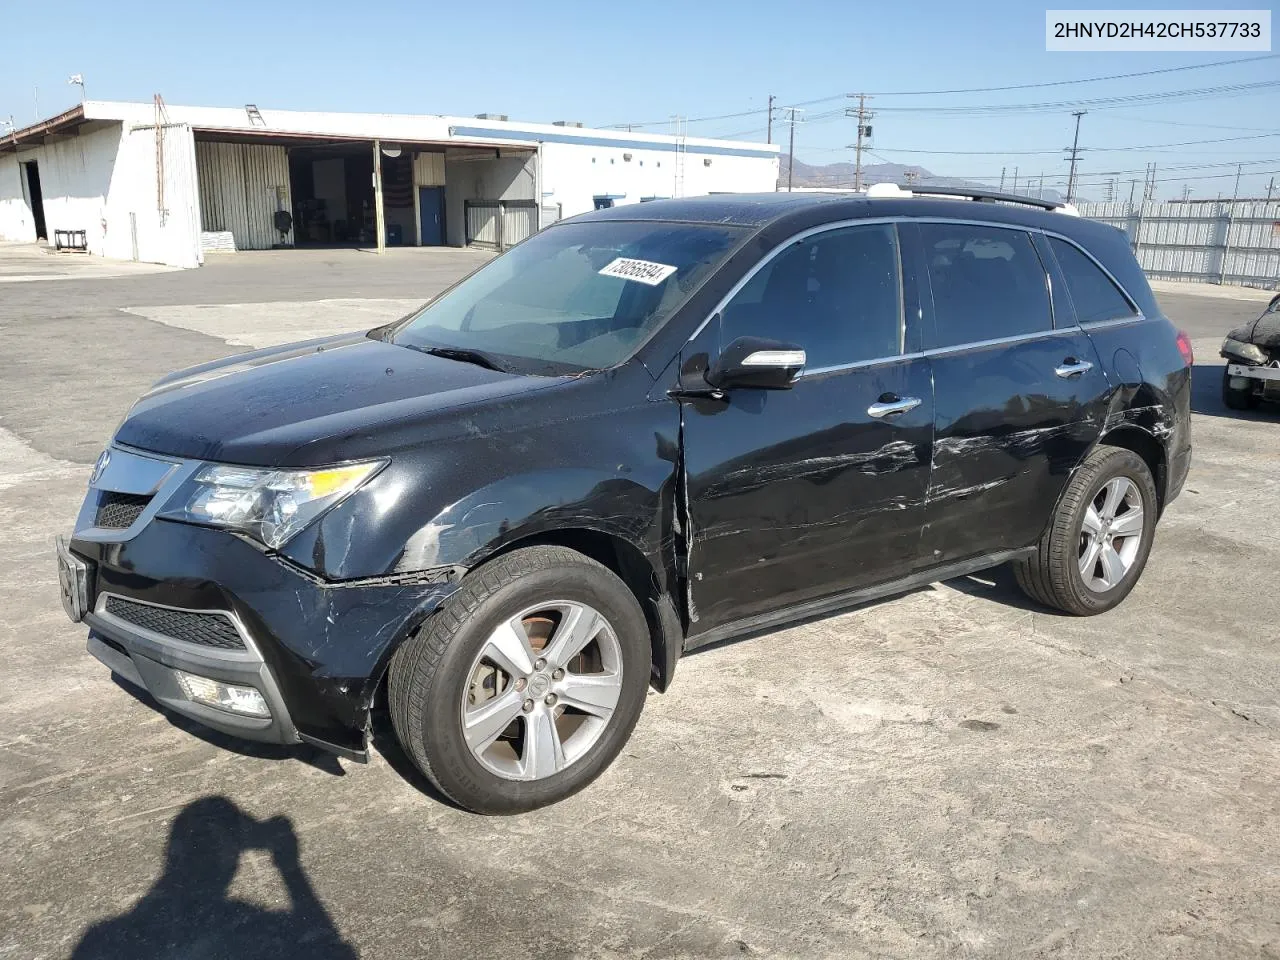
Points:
(988, 283)
(838, 295)
(1094, 295)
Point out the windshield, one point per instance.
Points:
(575, 297)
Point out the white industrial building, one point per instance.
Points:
(165, 184)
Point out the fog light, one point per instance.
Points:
(224, 696)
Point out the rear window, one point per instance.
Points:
(987, 282)
(1093, 294)
(574, 297)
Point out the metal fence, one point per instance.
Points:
(500, 223)
(1207, 242)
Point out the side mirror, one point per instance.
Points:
(757, 362)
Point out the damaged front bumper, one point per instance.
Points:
(276, 653)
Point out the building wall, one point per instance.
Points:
(574, 174)
(241, 186)
(428, 170)
(16, 220)
(105, 182)
(164, 234)
(472, 175)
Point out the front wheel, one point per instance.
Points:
(1237, 399)
(1096, 545)
(528, 682)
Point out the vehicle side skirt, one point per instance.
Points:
(828, 605)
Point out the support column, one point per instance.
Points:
(379, 214)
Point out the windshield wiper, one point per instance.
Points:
(478, 357)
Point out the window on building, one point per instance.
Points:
(1094, 295)
(837, 294)
(988, 283)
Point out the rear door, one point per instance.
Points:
(803, 493)
(1016, 395)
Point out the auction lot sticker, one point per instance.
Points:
(641, 271)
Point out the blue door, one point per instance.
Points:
(431, 209)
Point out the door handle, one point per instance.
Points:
(891, 408)
(1071, 367)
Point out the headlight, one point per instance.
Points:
(1249, 352)
(269, 505)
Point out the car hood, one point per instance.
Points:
(308, 403)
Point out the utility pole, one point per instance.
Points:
(1270, 186)
(768, 137)
(1075, 152)
(791, 150)
(1015, 180)
(1002, 169)
(1186, 193)
(1235, 194)
(1040, 192)
(1133, 184)
(864, 133)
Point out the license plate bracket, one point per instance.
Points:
(73, 582)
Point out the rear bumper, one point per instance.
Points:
(1179, 467)
(314, 650)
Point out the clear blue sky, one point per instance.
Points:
(622, 63)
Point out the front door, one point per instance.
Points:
(1017, 398)
(431, 210)
(799, 494)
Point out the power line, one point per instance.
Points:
(1018, 86)
(1034, 153)
(1098, 103)
(1063, 83)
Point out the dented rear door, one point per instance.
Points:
(1016, 395)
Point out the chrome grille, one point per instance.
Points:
(190, 626)
(118, 510)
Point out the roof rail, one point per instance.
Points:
(968, 193)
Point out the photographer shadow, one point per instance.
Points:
(189, 912)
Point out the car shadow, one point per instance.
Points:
(312, 756)
(1206, 396)
(189, 910)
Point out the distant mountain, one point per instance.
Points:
(837, 176)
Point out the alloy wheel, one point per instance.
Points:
(542, 690)
(1111, 534)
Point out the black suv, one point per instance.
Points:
(640, 431)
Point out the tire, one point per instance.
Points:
(457, 656)
(1053, 575)
(1235, 399)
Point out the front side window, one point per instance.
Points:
(988, 283)
(837, 295)
(1095, 297)
(577, 296)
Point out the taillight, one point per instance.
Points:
(1184, 348)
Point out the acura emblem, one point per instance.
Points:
(99, 467)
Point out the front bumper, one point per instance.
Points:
(313, 650)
